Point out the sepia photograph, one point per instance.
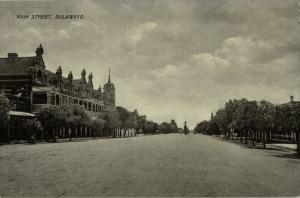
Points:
(150, 98)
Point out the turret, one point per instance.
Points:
(91, 79)
(70, 79)
(99, 89)
(83, 73)
(39, 51)
(59, 77)
(59, 71)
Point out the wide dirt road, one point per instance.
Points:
(158, 165)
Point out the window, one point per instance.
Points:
(39, 98)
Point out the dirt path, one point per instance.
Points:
(159, 165)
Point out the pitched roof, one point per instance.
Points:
(50, 75)
(19, 65)
(48, 72)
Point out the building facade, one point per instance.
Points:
(30, 86)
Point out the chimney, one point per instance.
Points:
(12, 55)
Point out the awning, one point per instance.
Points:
(41, 89)
(20, 113)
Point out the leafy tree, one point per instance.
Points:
(98, 125)
(266, 119)
(4, 109)
(53, 118)
(222, 121)
(112, 122)
(31, 128)
(173, 126)
(246, 117)
(142, 123)
(165, 127)
(202, 127)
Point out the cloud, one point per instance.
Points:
(141, 30)
(168, 58)
(244, 61)
(168, 71)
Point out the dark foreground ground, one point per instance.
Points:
(160, 165)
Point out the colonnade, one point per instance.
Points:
(60, 99)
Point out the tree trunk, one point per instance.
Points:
(253, 137)
(246, 136)
(70, 134)
(298, 142)
(263, 139)
(8, 129)
(42, 131)
(53, 135)
(241, 136)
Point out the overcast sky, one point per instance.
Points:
(170, 59)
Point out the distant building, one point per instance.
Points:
(30, 86)
(293, 105)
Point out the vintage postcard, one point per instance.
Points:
(150, 98)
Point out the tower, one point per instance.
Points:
(39, 66)
(109, 92)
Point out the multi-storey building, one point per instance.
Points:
(30, 86)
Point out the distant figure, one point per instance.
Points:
(185, 129)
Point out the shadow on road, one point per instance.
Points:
(250, 146)
(280, 152)
(63, 140)
(289, 156)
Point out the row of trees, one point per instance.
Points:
(4, 109)
(73, 121)
(119, 123)
(255, 121)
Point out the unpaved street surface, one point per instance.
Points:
(158, 165)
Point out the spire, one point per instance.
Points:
(109, 75)
(59, 71)
(70, 75)
(100, 89)
(91, 79)
(91, 75)
(70, 78)
(83, 73)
